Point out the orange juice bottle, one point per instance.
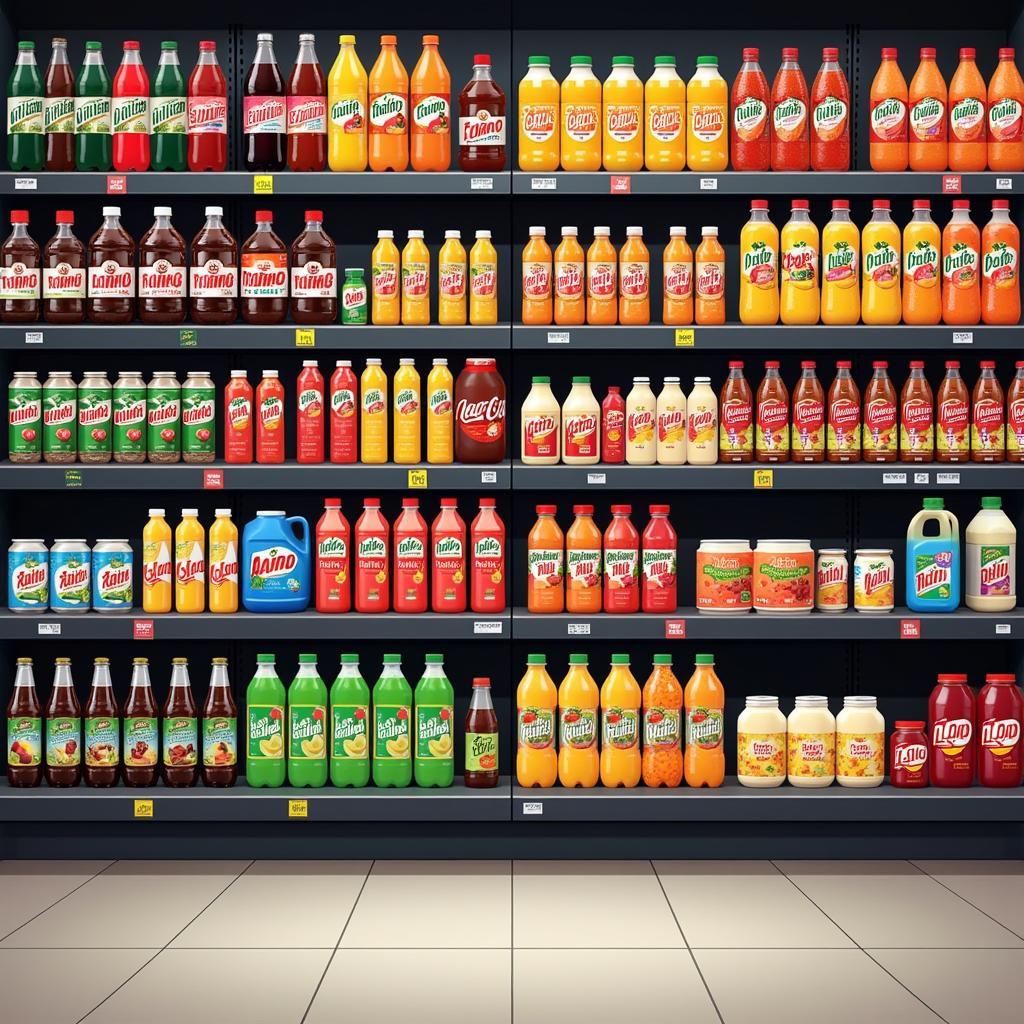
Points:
(189, 563)
(928, 99)
(440, 438)
(759, 262)
(580, 119)
(538, 117)
(537, 305)
(961, 262)
(536, 702)
(922, 244)
(620, 726)
(373, 413)
(430, 122)
(406, 444)
(887, 124)
(583, 563)
(223, 563)
(840, 267)
(602, 279)
(677, 279)
(704, 700)
(570, 305)
(622, 136)
(346, 105)
(634, 279)
(800, 301)
(880, 301)
(385, 305)
(415, 280)
(664, 113)
(157, 564)
(389, 109)
(545, 591)
(707, 118)
(663, 706)
(1006, 115)
(968, 123)
(710, 279)
(578, 696)
(483, 281)
(451, 280)
(1000, 267)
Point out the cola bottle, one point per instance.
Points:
(162, 285)
(111, 272)
(481, 120)
(59, 110)
(19, 273)
(480, 413)
(264, 274)
(64, 274)
(307, 110)
(264, 110)
(314, 274)
(214, 273)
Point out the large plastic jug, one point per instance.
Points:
(275, 563)
(933, 562)
(990, 579)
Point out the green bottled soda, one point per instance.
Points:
(353, 297)
(169, 140)
(92, 112)
(435, 735)
(26, 143)
(265, 710)
(392, 715)
(350, 725)
(307, 726)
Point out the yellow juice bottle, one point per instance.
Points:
(346, 105)
(538, 117)
(578, 697)
(373, 413)
(440, 419)
(415, 280)
(622, 137)
(800, 301)
(536, 702)
(223, 563)
(707, 118)
(580, 117)
(407, 413)
(620, 726)
(664, 113)
(759, 267)
(483, 281)
(385, 305)
(157, 564)
(840, 267)
(922, 273)
(880, 247)
(451, 280)
(189, 563)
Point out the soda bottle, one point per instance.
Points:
(265, 710)
(704, 701)
(487, 569)
(333, 560)
(410, 586)
(435, 726)
(350, 725)
(830, 115)
(620, 726)
(439, 414)
(371, 567)
(392, 711)
(309, 413)
(346, 102)
(64, 274)
(314, 273)
(749, 135)
(353, 296)
(307, 110)
(887, 122)
(20, 273)
(169, 113)
(389, 109)
(791, 140)
(448, 561)
(481, 120)
(26, 146)
(157, 564)
(579, 762)
(307, 714)
(141, 733)
(180, 730)
(111, 271)
(92, 112)
(408, 405)
(264, 110)
(238, 419)
(220, 730)
(207, 112)
(130, 115)
(1000, 263)
(415, 280)
(214, 272)
(481, 771)
(430, 101)
(270, 419)
(536, 702)
(968, 117)
(1000, 712)
(264, 280)
(344, 422)
(1005, 97)
(24, 730)
(162, 276)
(961, 266)
(59, 110)
(483, 281)
(102, 728)
(373, 416)
(928, 115)
(385, 306)
(190, 563)
(451, 280)
(63, 730)
(223, 564)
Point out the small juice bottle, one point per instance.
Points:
(578, 702)
(415, 280)
(662, 761)
(602, 279)
(570, 305)
(580, 117)
(968, 120)
(961, 261)
(928, 99)
(880, 245)
(887, 123)
(677, 279)
(840, 267)
(800, 302)
(157, 564)
(583, 563)
(759, 261)
(922, 244)
(622, 137)
(1000, 260)
(483, 281)
(538, 117)
(634, 279)
(373, 413)
(545, 591)
(408, 405)
(710, 279)
(223, 563)
(620, 726)
(451, 280)
(664, 113)
(270, 419)
(707, 118)
(1006, 115)
(704, 702)
(385, 307)
(536, 704)
(440, 442)
(537, 304)
(189, 564)
(346, 106)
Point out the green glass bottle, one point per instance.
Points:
(168, 113)
(26, 143)
(92, 112)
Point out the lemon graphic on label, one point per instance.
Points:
(313, 747)
(398, 747)
(496, 576)
(381, 576)
(355, 747)
(272, 747)
(441, 747)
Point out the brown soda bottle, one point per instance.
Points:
(953, 417)
(771, 442)
(220, 729)
(162, 282)
(314, 274)
(180, 730)
(264, 120)
(64, 274)
(1015, 416)
(988, 416)
(20, 275)
(844, 427)
(736, 417)
(264, 274)
(24, 730)
(59, 110)
(111, 272)
(141, 729)
(481, 770)
(63, 730)
(808, 430)
(214, 272)
(102, 729)
(481, 120)
(917, 417)
(879, 434)
(307, 110)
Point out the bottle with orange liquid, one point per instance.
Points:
(1000, 267)
(709, 274)
(223, 563)
(578, 697)
(440, 421)
(388, 114)
(968, 123)
(407, 410)
(704, 702)
(483, 281)
(602, 279)
(189, 564)
(840, 267)
(570, 305)
(545, 584)
(415, 280)
(634, 279)
(158, 564)
(880, 301)
(1006, 115)
(373, 413)
(759, 263)
(622, 138)
(961, 261)
(536, 703)
(664, 111)
(537, 304)
(385, 304)
(928, 100)
(451, 280)
(538, 117)
(431, 103)
(677, 279)
(707, 118)
(800, 299)
(580, 119)
(620, 726)
(922, 245)
(583, 563)
(663, 704)
(887, 124)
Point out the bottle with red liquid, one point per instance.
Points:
(309, 412)
(448, 559)
(207, 112)
(1014, 415)
(238, 419)
(371, 559)
(344, 410)
(214, 272)
(487, 570)
(750, 132)
(908, 756)
(621, 563)
(659, 563)
(333, 576)
(111, 271)
(59, 110)
(1000, 718)
(162, 283)
(482, 769)
(613, 426)
(307, 110)
(411, 537)
(830, 115)
(264, 109)
(314, 273)
(951, 718)
(130, 112)
(480, 412)
(791, 140)
(64, 274)
(264, 274)
(270, 419)
(481, 120)
(20, 274)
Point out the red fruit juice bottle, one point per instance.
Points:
(791, 139)
(238, 419)
(207, 112)
(130, 112)
(448, 559)
(309, 411)
(333, 575)
(613, 426)
(487, 569)
(270, 419)
(264, 118)
(1000, 717)
(658, 592)
(621, 563)
(344, 413)
(951, 726)
(371, 559)
(750, 134)
(411, 536)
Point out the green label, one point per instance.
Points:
(266, 732)
(481, 751)
(198, 420)
(434, 737)
(24, 420)
(129, 419)
(536, 727)
(59, 115)
(661, 727)
(102, 741)
(620, 728)
(163, 420)
(933, 576)
(220, 741)
(63, 742)
(141, 742)
(306, 739)
(167, 114)
(92, 115)
(95, 419)
(704, 728)
(24, 741)
(391, 732)
(188, 337)
(350, 731)
(60, 412)
(181, 741)
(577, 727)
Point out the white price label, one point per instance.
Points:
(963, 337)
(1004, 184)
(709, 184)
(481, 184)
(488, 627)
(33, 337)
(25, 184)
(1003, 629)
(921, 478)
(533, 807)
(48, 629)
(578, 629)
(488, 476)
(894, 478)
(946, 478)
(558, 337)
(543, 184)
(597, 479)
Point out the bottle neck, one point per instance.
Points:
(759, 215)
(265, 52)
(772, 373)
(307, 54)
(162, 224)
(799, 216)
(391, 672)
(307, 671)
(921, 216)
(169, 58)
(24, 677)
(26, 58)
(807, 373)
(219, 676)
(433, 671)
(266, 671)
(62, 676)
(749, 66)
(19, 231)
(214, 220)
(481, 699)
(1000, 217)
(179, 677)
(841, 216)
(140, 677)
(842, 373)
(348, 671)
(101, 676)
(207, 58)
(111, 223)
(482, 72)
(880, 217)
(131, 58)
(59, 54)
(93, 58)
(64, 231)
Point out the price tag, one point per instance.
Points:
(188, 337)
(48, 629)
(922, 478)
(952, 184)
(72, 478)
(143, 629)
(533, 807)
(963, 337)
(117, 185)
(262, 184)
(764, 479)
(685, 337)
(33, 337)
(1004, 184)
(488, 476)
(298, 808)
(558, 337)
(893, 478)
(481, 184)
(417, 479)
(597, 479)
(947, 478)
(709, 184)
(620, 184)
(489, 627)
(213, 479)
(577, 629)
(25, 184)
(675, 629)
(543, 184)
(910, 629)
(305, 337)
(143, 808)
(1003, 629)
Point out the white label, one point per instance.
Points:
(488, 476)
(492, 627)
(482, 129)
(558, 337)
(578, 629)
(533, 807)
(53, 629)
(25, 184)
(33, 337)
(947, 478)
(894, 478)
(481, 184)
(1004, 184)
(709, 184)
(543, 184)
(597, 478)
(921, 478)
(963, 337)
(1003, 629)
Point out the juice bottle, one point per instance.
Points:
(448, 569)
(408, 405)
(264, 110)
(545, 589)
(613, 427)
(800, 302)
(879, 439)
(385, 307)
(602, 279)
(840, 267)
(1015, 415)
(207, 112)
(333, 565)
(830, 115)
(621, 563)
(570, 306)
(392, 722)
(389, 109)
(988, 416)
(350, 725)
(434, 762)
(180, 730)
(750, 135)
(922, 244)
(101, 729)
(736, 417)
(580, 119)
(641, 421)
(270, 419)
(536, 702)
(702, 424)
(710, 279)
(791, 134)
(189, 564)
(662, 761)
(481, 120)
(130, 112)
(373, 415)
(483, 281)
(843, 416)
(1006, 115)
(670, 424)
(344, 419)
(265, 706)
(1000, 267)
(808, 429)
(583, 563)
(307, 110)
(1000, 715)
(223, 563)
(707, 117)
(92, 112)
(880, 245)
(220, 730)
(346, 109)
(410, 569)
(620, 726)
(59, 110)
(953, 416)
(540, 425)
(664, 113)
(622, 137)
(968, 116)
(141, 729)
(578, 698)
(952, 717)
(928, 98)
(961, 261)
(537, 304)
(917, 417)
(157, 564)
(415, 280)
(581, 417)
(309, 413)
(759, 260)
(487, 568)
(887, 125)
(439, 414)
(63, 730)
(704, 701)
(431, 107)
(481, 765)
(538, 117)
(677, 279)
(634, 279)
(307, 726)
(771, 440)
(658, 561)
(451, 280)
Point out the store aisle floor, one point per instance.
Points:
(497, 942)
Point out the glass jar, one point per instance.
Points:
(811, 744)
(860, 743)
(761, 744)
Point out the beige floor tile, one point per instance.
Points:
(891, 903)
(547, 987)
(994, 886)
(779, 986)
(428, 986)
(171, 893)
(285, 904)
(744, 904)
(433, 904)
(590, 904)
(28, 887)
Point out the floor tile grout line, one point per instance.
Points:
(512, 940)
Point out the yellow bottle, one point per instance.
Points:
(622, 137)
(440, 420)
(707, 118)
(664, 113)
(415, 280)
(346, 106)
(800, 302)
(483, 281)
(580, 118)
(759, 267)
(922, 268)
(223, 563)
(578, 760)
(157, 564)
(880, 275)
(385, 308)
(538, 117)
(620, 726)
(189, 563)
(407, 413)
(840, 267)
(536, 701)
(451, 280)
(373, 413)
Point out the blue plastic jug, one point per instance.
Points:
(933, 563)
(275, 563)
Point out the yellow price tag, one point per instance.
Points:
(305, 337)
(298, 808)
(764, 478)
(685, 337)
(143, 808)
(417, 478)
(262, 184)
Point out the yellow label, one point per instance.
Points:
(761, 755)
(305, 337)
(143, 808)
(417, 478)
(262, 184)
(860, 755)
(811, 755)
(298, 808)
(764, 478)
(685, 337)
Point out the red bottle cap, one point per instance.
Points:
(805, 364)
(207, 44)
(961, 204)
(1000, 204)
(131, 44)
(409, 503)
(751, 53)
(909, 726)
(481, 364)
(952, 364)
(332, 502)
(1006, 53)
(879, 204)
(801, 204)
(65, 216)
(843, 364)
(927, 53)
(1019, 365)
(262, 215)
(916, 364)
(482, 58)
(830, 53)
(371, 502)
(622, 510)
(790, 53)
(771, 364)
(481, 682)
(449, 503)
(735, 364)
(1000, 677)
(488, 502)
(880, 364)
(659, 510)
(19, 216)
(546, 510)
(317, 215)
(967, 53)
(888, 53)
(759, 204)
(952, 677)
(840, 204)
(613, 389)
(922, 204)
(583, 510)
(987, 364)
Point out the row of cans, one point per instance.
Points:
(128, 421)
(70, 577)
(874, 587)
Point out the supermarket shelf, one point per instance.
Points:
(733, 802)
(689, 624)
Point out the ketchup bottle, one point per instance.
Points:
(307, 110)
(333, 575)
(214, 272)
(130, 117)
(481, 120)
(270, 419)
(314, 273)
(613, 426)
(207, 112)
(162, 281)
(344, 409)
(64, 274)
(410, 559)
(448, 559)
(951, 717)
(487, 568)
(1000, 716)
(908, 756)
(309, 412)
(238, 446)
(20, 275)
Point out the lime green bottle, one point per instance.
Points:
(307, 726)
(435, 735)
(350, 725)
(392, 718)
(265, 702)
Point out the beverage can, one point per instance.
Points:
(28, 575)
(831, 588)
(353, 297)
(129, 417)
(112, 572)
(163, 417)
(95, 417)
(25, 417)
(60, 413)
(198, 418)
(70, 576)
(874, 588)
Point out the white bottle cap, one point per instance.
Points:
(222, 512)
(157, 511)
(634, 232)
(310, 362)
(483, 234)
(453, 234)
(373, 362)
(440, 362)
(603, 230)
(709, 231)
(270, 373)
(111, 211)
(415, 233)
(385, 233)
(190, 511)
(537, 230)
(161, 211)
(406, 362)
(238, 373)
(677, 232)
(570, 230)
(215, 211)
(701, 380)
(343, 362)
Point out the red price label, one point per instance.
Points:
(117, 185)
(675, 629)
(213, 479)
(142, 629)
(620, 184)
(952, 184)
(910, 629)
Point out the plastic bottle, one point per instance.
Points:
(350, 725)
(411, 559)
(538, 117)
(704, 702)
(580, 119)
(662, 761)
(207, 112)
(448, 565)
(224, 554)
(157, 564)
(189, 564)
(953, 417)
(415, 280)
(169, 113)
(1006, 115)
(709, 275)
(20, 273)
(707, 118)
(578, 700)
(307, 726)
(385, 303)
(389, 109)
(434, 762)
(634, 279)
(64, 274)
(952, 733)
(677, 279)
(750, 134)
(881, 301)
(431, 115)
(111, 279)
(1000, 267)
(163, 281)
(180, 730)
(968, 116)
(346, 107)
(1000, 715)
(536, 703)
(990, 567)
(917, 417)
(140, 729)
(621, 700)
(101, 730)
(483, 281)
(545, 584)
(569, 276)
(988, 416)
(270, 427)
(482, 738)
(92, 112)
(830, 115)
(59, 110)
(658, 563)
(451, 280)
(439, 413)
(928, 117)
(860, 743)
(583, 551)
(481, 120)
(307, 110)
(264, 273)
(372, 534)
(487, 569)
(791, 138)
(922, 275)
(664, 116)
(736, 417)
(408, 407)
(265, 703)
(26, 142)
(264, 110)
(373, 417)
(314, 273)
(641, 423)
(840, 267)
(621, 563)
(670, 427)
(392, 721)
(238, 419)
(961, 265)
(800, 301)
(537, 301)
(759, 267)
(602, 279)
(887, 124)
(933, 561)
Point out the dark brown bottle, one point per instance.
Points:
(264, 116)
(879, 440)
(264, 274)
(482, 767)
(214, 272)
(808, 433)
(111, 272)
(59, 110)
(181, 730)
(220, 729)
(24, 730)
(141, 729)
(63, 730)
(162, 282)
(64, 274)
(314, 274)
(843, 437)
(102, 729)
(20, 275)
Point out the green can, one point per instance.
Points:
(95, 417)
(198, 418)
(163, 418)
(25, 417)
(60, 418)
(129, 417)
(353, 297)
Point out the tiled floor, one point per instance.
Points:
(736, 942)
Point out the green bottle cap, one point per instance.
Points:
(350, 659)
(663, 659)
(92, 44)
(991, 502)
(541, 380)
(625, 62)
(581, 380)
(265, 659)
(307, 659)
(934, 504)
(581, 61)
(168, 44)
(26, 44)
(536, 659)
(578, 659)
(434, 659)
(707, 62)
(669, 62)
(538, 61)
(392, 659)
(705, 659)
(620, 659)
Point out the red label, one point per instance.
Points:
(482, 421)
(737, 415)
(844, 415)
(448, 571)
(620, 184)
(917, 415)
(675, 629)
(142, 629)
(371, 572)
(952, 184)
(772, 415)
(879, 415)
(580, 436)
(953, 416)
(333, 577)
(117, 185)
(808, 415)
(488, 570)
(910, 629)
(988, 414)
(213, 479)
(540, 436)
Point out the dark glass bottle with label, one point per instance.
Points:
(102, 740)
(482, 767)
(180, 730)
(63, 730)
(24, 730)
(141, 729)
(220, 729)
(111, 281)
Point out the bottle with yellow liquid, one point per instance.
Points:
(223, 564)
(190, 564)
(622, 137)
(440, 419)
(346, 107)
(620, 726)
(373, 413)
(538, 117)
(407, 413)
(483, 281)
(840, 267)
(157, 564)
(415, 280)
(385, 307)
(800, 302)
(664, 113)
(707, 118)
(759, 267)
(451, 280)
(922, 273)
(578, 759)
(880, 302)
(580, 142)
(536, 704)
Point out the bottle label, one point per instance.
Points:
(1000, 735)
(811, 755)
(415, 280)
(620, 728)
(264, 115)
(353, 303)
(391, 732)
(483, 280)
(213, 280)
(64, 282)
(385, 280)
(483, 129)
(307, 115)
(24, 420)
(220, 741)
(1005, 118)
(168, 115)
(707, 121)
(28, 575)
(162, 280)
(189, 563)
(580, 435)
(24, 741)
(207, 115)
(569, 276)
(800, 265)
(917, 426)
(888, 120)
(967, 119)
(678, 280)
(710, 281)
(960, 266)
(95, 412)
(430, 114)
(860, 755)
(953, 424)
(750, 119)
(640, 425)
(350, 731)
(452, 280)
(141, 742)
(110, 280)
(580, 121)
(265, 732)
(882, 264)
(839, 264)
(830, 117)
(662, 728)
(181, 741)
(24, 115)
(737, 417)
(622, 121)
(348, 114)
(759, 265)
(761, 755)
(772, 434)
(388, 114)
(481, 751)
(672, 424)
(306, 739)
(928, 119)
(634, 277)
(879, 426)
(583, 568)
(664, 121)
(163, 418)
(921, 264)
(602, 280)
(844, 426)
(999, 265)
(933, 576)
(992, 566)
(59, 115)
(92, 115)
(1015, 425)
(434, 740)
(621, 568)
(536, 728)
(314, 281)
(223, 565)
(19, 281)
(198, 421)
(537, 121)
(577, 728)
(789, 118)
(659, 568)
(545, 567)
(63, 742)
(264, 275)
(130, 115)
(987, 426)
(704, 728)
(156, 564)
(536, 280)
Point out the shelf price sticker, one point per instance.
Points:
(675, 629)
(33, 337)
(533, 807)
(305, 337)
(1004, 184)
(143, 808)
(417, 479)
(597, 479)
(143, 629)
(213, 479)
(25, 184)
(117, 185)
(947, 478)
(963, 337)
(709, 184)
(48, 629)
(298, 808)
(72, 478)
(487, 627)
(262, 184)
(764, 479)
(910, 629)
(952, 184)
(685, 337)
(1003, 629)
(558, 337)
(188, 337)
(620, 184)
(889, 479)
(481, 184)
(577, 629)
(543, 184)
(488, 476)
(922, 478)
